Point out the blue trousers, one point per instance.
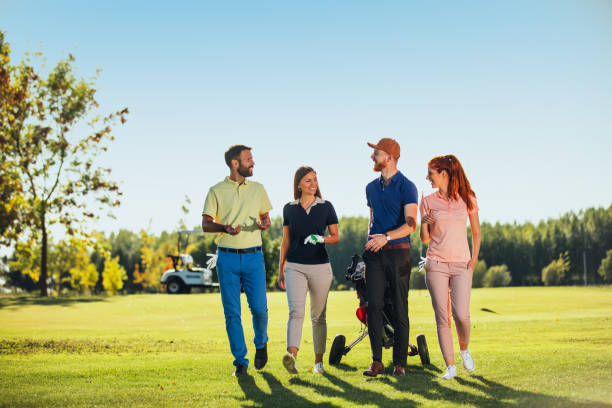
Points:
(248, 269)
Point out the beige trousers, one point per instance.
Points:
(299, 279)
(454, 279)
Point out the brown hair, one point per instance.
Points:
(458, 184)
(299, 175)
(233, 153)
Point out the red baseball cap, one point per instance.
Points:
(387, 145)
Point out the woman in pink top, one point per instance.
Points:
(449, 266)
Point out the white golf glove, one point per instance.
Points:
(422, 263)
(313, 239)
(212, 261)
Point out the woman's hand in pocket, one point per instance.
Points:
(471, 265)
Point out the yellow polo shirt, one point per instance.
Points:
(237, 204)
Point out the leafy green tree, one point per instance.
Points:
(54, 177)
(496, 276)
(126, 245)
(554, 273)
(479, 272)
(271, 252)
(605, 269)
(83, 273)
(152, 261)
(26, 260)
(84, 277)
(13, 86)
(11, 199)
(113, 276)
(276, 228)
(69, 264)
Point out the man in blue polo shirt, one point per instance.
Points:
(392, 199)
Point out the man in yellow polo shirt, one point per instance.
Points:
(238, 210)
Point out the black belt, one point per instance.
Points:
(398, 245)
(240, 251)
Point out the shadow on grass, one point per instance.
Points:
(499, 395)
(353, 393)
(280, 395)
(480, 392)
(19, 301)
(345, 367)
(429, 367)
(388, 368)
(420, 381)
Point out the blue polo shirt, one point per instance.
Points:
(387, 203)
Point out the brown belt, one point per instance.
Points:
(399, 245)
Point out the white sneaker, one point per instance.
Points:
(290, 363)
(451, 372)
(468, 361)
(318, 368)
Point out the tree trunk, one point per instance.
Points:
(43, 259)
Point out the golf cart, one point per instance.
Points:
(184, 275)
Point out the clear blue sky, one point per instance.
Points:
(520, 91)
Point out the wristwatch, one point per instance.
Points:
(388, 237)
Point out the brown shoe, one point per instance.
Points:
(398, 371)
(375, 368)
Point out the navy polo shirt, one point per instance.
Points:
(302, 224)
(388, 202)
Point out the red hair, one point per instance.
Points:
(458, 184)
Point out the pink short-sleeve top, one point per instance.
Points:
(449, 230)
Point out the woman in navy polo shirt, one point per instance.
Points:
(304, 264)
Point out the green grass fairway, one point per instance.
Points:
(538, 347)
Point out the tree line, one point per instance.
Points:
(552, 252)
(49, 175)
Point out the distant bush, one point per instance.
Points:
(554, 273)
(497, 275)
(532, 280)
(113, 276)
(417, 278)
(479, 272)
(605, 269)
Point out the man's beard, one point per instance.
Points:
(379, 166)
(245, 171)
